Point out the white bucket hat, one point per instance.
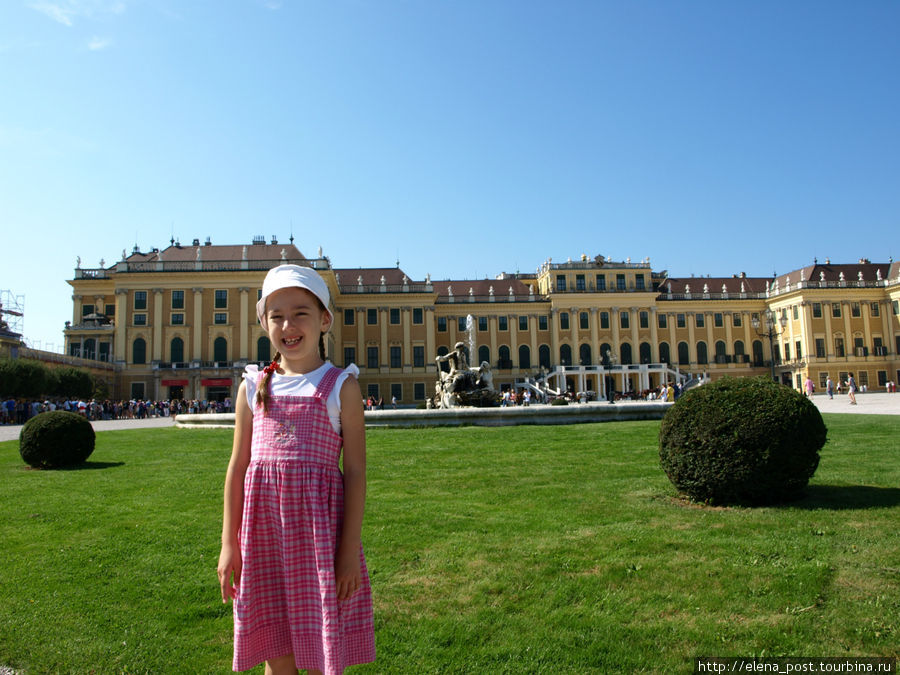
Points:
(292, 276)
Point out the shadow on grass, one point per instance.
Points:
(839, 497)
(87, 466)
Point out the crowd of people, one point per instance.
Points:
(19, 411)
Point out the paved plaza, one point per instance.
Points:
(869, 404)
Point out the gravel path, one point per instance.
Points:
(10, 432)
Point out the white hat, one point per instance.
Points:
(292, 276)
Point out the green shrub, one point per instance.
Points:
(56, 439)
(741, 441)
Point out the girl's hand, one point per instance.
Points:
(229, 565)
(347, 575)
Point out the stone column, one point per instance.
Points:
(806, 331)
(495, 348)
(407, 342)
(829, 336)
(361, 358)
(384, 348)
(595, 336)
(654, 337)
(430, 346)
(197, 329)
(710, 337)
(554, 336)
(157, 324)
(633, 320)
(244, 323)
(532, 332)
(866, 311)
(77, 304)
(574, 322)
(673, 339)
(848, 334)
(514, 341)
(121, 324)
(614, 320)
(692, 342)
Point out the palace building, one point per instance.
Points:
(181, 323)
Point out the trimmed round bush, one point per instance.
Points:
(56, 439)
(741, 441)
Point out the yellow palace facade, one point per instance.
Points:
(180, 322)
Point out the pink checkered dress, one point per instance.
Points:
(293, 513)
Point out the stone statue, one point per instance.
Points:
(77, 262)
(463, 385)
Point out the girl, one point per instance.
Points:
(291, 555)
(851, 388)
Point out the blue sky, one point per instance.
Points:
(465, 138)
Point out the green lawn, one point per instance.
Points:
(527, 549)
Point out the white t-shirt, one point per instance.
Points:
(301, 385)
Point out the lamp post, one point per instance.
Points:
(770, 330)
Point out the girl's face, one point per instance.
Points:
(295, 319)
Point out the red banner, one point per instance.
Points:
(174, 383)
(217, 382)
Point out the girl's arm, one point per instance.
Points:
(353, 428)
(230, 557)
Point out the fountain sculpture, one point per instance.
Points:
(464, 385)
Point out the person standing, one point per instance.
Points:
(810, 387)
(851, 388)
(829, 387)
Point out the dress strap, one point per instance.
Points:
(323, 391)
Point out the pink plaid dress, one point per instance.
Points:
(293, 513)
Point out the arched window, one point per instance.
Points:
(664, 355)
(738, 349)
(544, 356)
(702, 356)
(565, 355)
(524, 357)
(684, 354)
(220, 349)
(90, 348)
(176, 350)
(584, 355)
(263, 349)
(444, 365)
(645, 352)
(625, 350)
(720, 351)
(605, 352)
(484, 354)
(139, 351)
(503, 360)
(757, 353)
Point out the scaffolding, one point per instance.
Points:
(12, 312)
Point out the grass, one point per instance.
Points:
(528, 549)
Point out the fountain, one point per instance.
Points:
(463, 385)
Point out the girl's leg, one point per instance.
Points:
(281, 666)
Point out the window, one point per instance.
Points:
(542, 323)
(817, 310)
(639, 282)
(482, 324)
(176, 350)
(601, 282)
(140, 299)
(661, 320)
(349, 355)
(418, 316)
(681, 322)
(264, 350)
(839, 347)
(882, 378)
(177, 319)
(796, 312)
(702, 356)
(835, 310)
(823, 380)
(419, 391)
(644, 318)
(544, 356)
(683, 353)
(87, 309)
(349, 317)
(503, 360)
(787, 351)
(584, 355)
(396, 391)
(461, 324)
(878, 346)
(738, 349)
(820, 348)
(797, 349)
(579, 282)
(395, 355)
(418, 356)
(895, 307)
(442, 324)
(503, 322)
(177, 299)
(604, 320)
(524, 357)
(863, 379)
(109, 310)
(372, 357)
(139, 351)
(854, 310)
(395, 316)
(699, 320)
(372, 317)
(620, 282)
(484, 354)
(220, 350)
(561, 282)
(718, 322)
(564, 321)
(523, 323)
(137, 391)
(664, 355)
(874, 309)
(565, 355)
(625, 354)
(221, 301)
(583, 321)
(736, 320)
(140, 319)
(220, 317)
(372, 391)
(624, 319)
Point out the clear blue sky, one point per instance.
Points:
(466, 137)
